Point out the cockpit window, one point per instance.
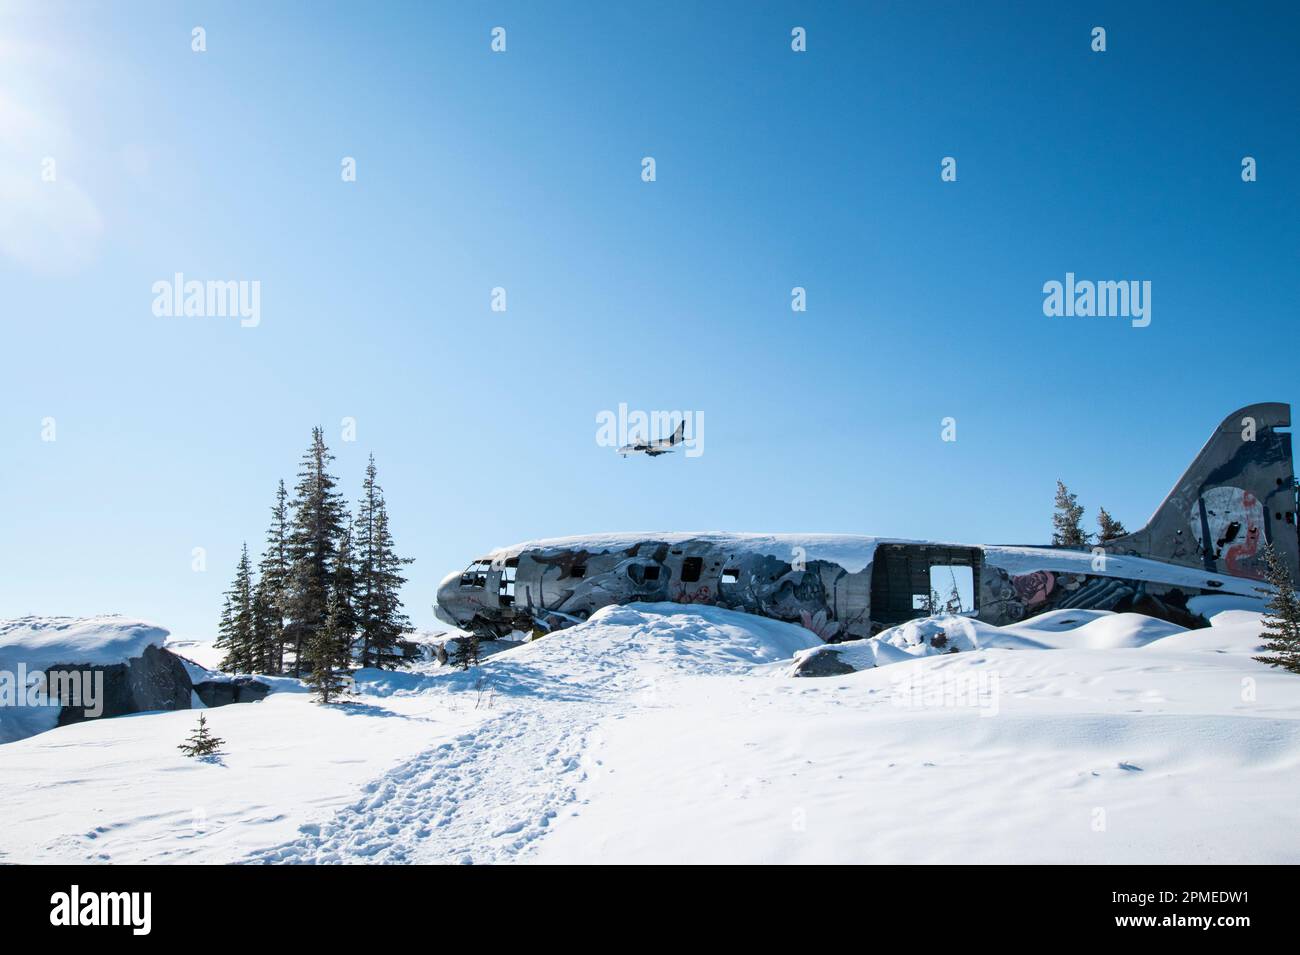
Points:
(476, 574)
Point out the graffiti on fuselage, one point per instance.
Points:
(1228, 524)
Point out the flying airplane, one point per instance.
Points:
(1203, 541)
(661, 446)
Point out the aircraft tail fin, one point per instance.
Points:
(1238, 494)
(679, 434)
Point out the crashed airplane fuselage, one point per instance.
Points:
(1205, 538)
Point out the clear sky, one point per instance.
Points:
(522, 170)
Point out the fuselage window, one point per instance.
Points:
(506, 588)
(652, 573)
(691, 568)
(731, 576)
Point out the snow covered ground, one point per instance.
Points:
(662, 733)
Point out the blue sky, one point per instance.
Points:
(522, 170)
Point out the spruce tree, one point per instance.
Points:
(380, 621)
(329, 653)
(201, 742)
(466, 653)
(1108, 527)
(313, 540)
(237, 637)
(225, 630)
(345, 584)
(266, 629)
(1281, 631)
(273, 580)
(1067, 528)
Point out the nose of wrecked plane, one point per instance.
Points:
(445, 609)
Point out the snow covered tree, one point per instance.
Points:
(1281, 632)
(313, 540)
(1067, 527)
(274, 572)
(201, 742)
(329, 652)
(380, 621)
(1108, 527)
(236, 635)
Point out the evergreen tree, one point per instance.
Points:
(380, 621)
(236, 636)
(313, 540)
(201, 742)
(1281, 632)
(225, 630)
(274, 573)
(466, 653)
(345, 584)
(266, 629)
(329, 652)
(1108, 527)
(1067, 528)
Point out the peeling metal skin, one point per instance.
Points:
(1205, 538)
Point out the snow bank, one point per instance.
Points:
(950, 633)
(1235, 632)
(699, 639)
(40, 642)
(1208, 605)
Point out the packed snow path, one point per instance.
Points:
(490, 793)
(483, 797)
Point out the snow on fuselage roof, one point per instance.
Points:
(855, 552)
(851, 552)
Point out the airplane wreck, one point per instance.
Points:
(1205, 538)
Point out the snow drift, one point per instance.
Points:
(40, 642)
(950, 633)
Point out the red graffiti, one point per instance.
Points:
(701, 595)
(1247, 549)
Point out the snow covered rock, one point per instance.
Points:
(240, 689)
(155, 680)
(60, 670)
